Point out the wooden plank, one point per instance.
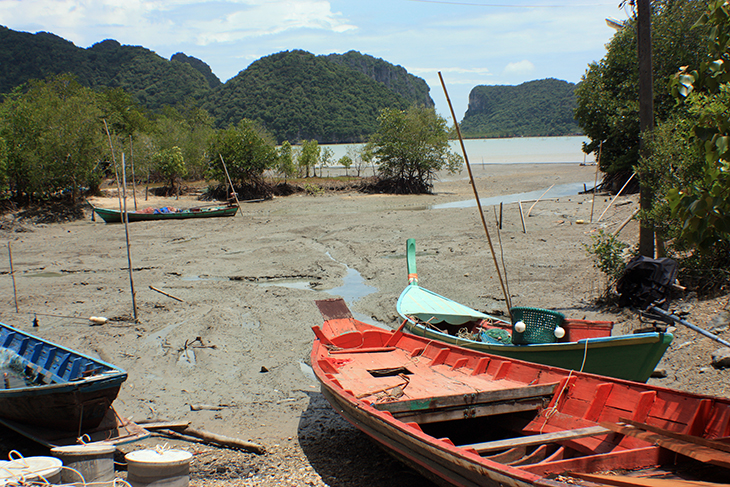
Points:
(626, 481)
(490, 446)
(698, 452)
(466, 412)
(473, 399)
(698, 440)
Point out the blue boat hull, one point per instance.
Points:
(45, 384)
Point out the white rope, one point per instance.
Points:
(585, 354)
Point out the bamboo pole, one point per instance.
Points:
(114, 161)
(617, 195)
(131, 164)
(522, 217)
(626, 222)
(533, 205)
(233, 190)
(479, 204)
(126, 232)
(595, 182)
(12, 275)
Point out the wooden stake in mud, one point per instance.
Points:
(126, 232)
(595, 182)
(233, 191)
(476, 195)
(12, 274)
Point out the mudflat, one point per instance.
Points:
(224, 306)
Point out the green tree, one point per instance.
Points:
(325, 159)
(189, 128)
(308, 156)
(286, 166)
(247, 150)
(607, 97)
(410, 147)
(54, 136)
(345, 161)
(704, 205)
(171, 165)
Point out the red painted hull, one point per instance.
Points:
(466, 418)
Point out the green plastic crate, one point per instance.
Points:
(540, 325)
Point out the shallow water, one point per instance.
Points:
(557, 191)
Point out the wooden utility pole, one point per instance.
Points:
(646, 116)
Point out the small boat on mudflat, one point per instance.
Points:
(585, 346)
(465, 418)
(43, 384)
(167, 213)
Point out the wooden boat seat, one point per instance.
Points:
(533, 440)
(470, 405)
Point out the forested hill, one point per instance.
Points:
(412, 88)
(151, 79)
(297, 95)
(535, 108)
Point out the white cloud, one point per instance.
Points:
(524, 67)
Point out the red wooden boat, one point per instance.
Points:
(466, 418)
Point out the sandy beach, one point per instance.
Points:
(233, 326)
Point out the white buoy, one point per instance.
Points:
(559, 332)
(99, 320)
(520, 327)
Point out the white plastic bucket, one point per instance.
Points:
(31, 469)
(94, 462)
(158, 468)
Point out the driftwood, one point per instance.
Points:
(180, 429)
(533, 205)
(168, 295)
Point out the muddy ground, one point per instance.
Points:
(230, 333)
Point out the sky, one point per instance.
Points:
(470, 42)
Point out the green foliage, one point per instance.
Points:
(170, 164)
(286, 166)
(346, 162)
(308, 155)
(54, 137)
(607, 96)
(313, 190)
(536, 108)
(704, 205)
(608, 254)
(199, 66)
(410, 147)
(298, 96)
(673, 162)
(191, 129)
(247, 150)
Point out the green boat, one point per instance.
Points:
(583, 345)
(166, 213)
